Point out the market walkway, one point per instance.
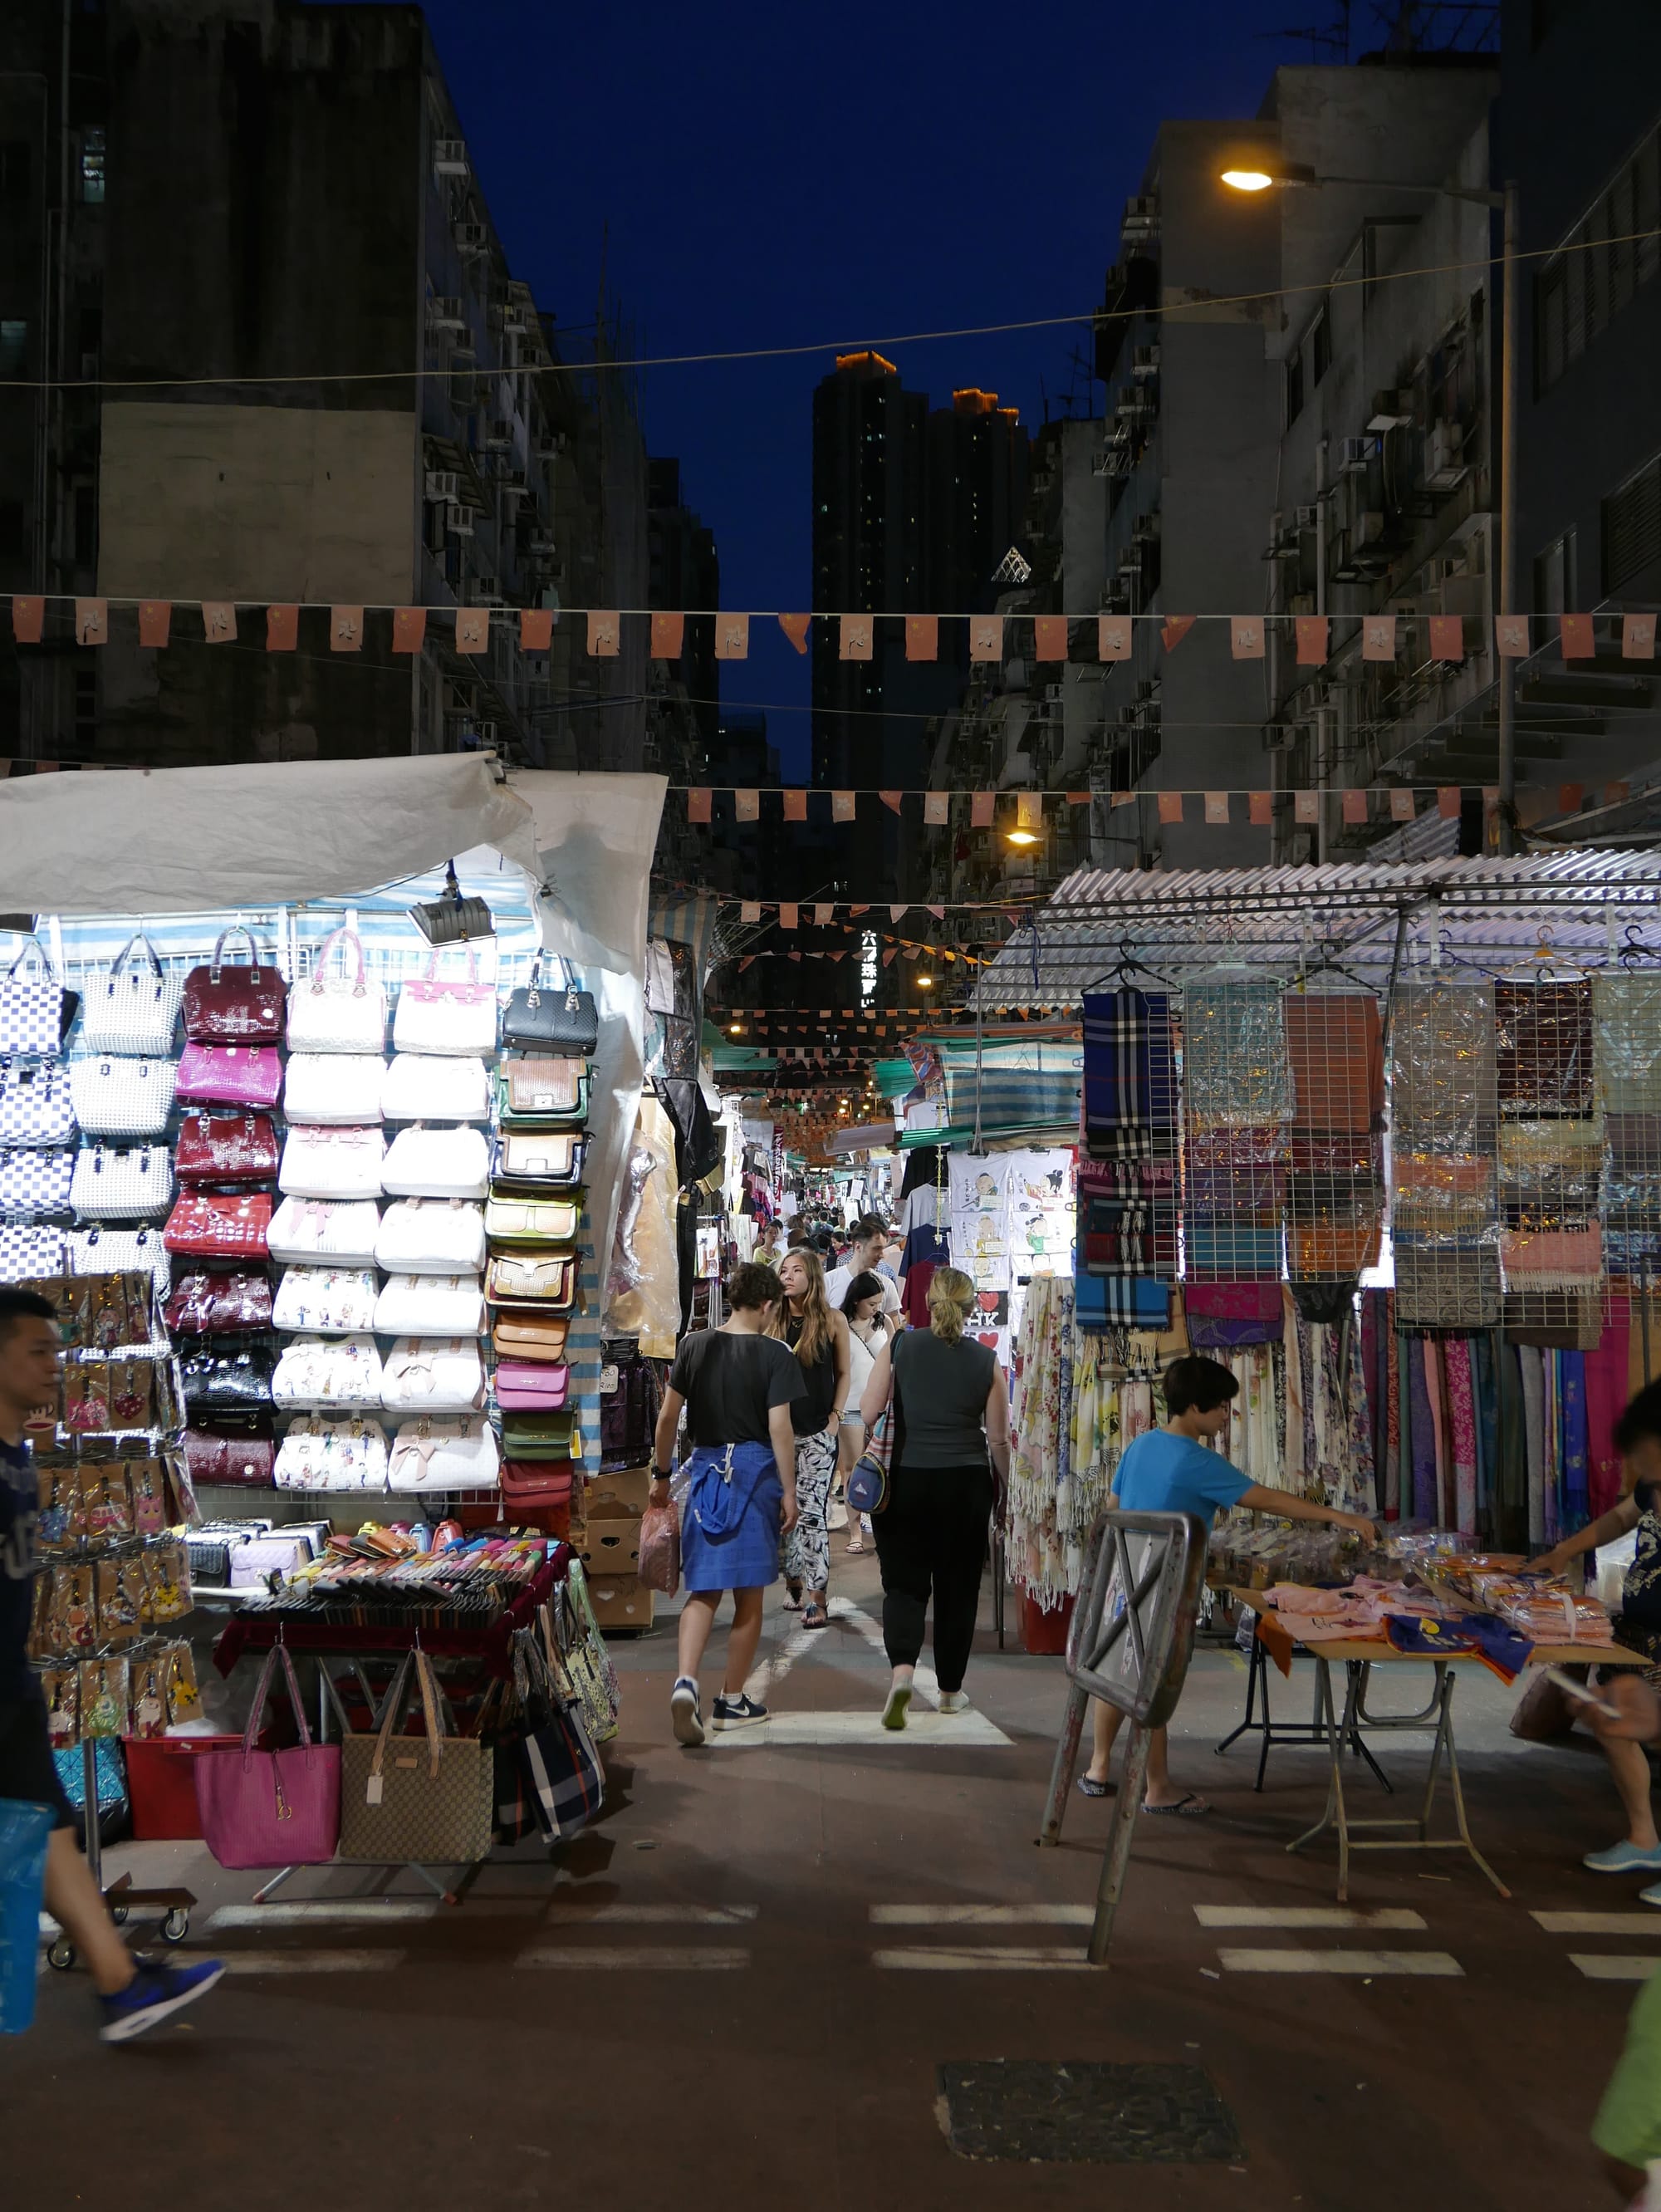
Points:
(771, 1975)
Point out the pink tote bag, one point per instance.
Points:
(271, 1808)
(231, 1074)
(529, 1386)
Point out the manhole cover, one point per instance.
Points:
(1075, 2113)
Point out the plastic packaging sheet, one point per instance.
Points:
(1443, 1097)
(1234, 1062)
(1543, 1046)
(1626, 1042)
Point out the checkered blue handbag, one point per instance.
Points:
(29, 1252)
(31, 1004)
(35, 1106)
(35, 1182)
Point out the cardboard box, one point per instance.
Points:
(620, 1602)
(611, 1545)
(627, 1491)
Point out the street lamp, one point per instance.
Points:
(1258, 177)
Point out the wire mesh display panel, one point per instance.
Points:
(1626, 1058)
(1334, 1180)
(1551, 1148)
(1237, 1104)
(1445, 1119)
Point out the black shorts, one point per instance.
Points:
(27, 1769)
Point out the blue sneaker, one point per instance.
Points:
(1625, 1858)
(152, 1995)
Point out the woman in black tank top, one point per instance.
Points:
(818, 1338)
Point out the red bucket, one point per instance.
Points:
(1043, 1635)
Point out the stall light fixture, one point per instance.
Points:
(453, 920)
(1255, 179)
(1022, 836)
(737, 1030)
(925, 983)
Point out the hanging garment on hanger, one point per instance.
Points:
(1606, 1374)
(1461, 1431)
(1421, 1352)
(1576, 1502)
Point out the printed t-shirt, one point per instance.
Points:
(1164, 1472)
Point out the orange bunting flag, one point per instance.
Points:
(698, 801)
(1401, 806)
(796, 804)
(1170, 806)
(282, 629)
(1447, 637)
(788, 915)
(1449, 798)
(409, 629)
(1615, 795)
(1513, 633)
(536, 630)
(1261, 805)
(747, 805)
(1029, 811)
(1246, 637)
(891, 956)
(603, 634)
(983, 808)
(669, 635)
(748, 961)
(1638, 637)
(219, 621)
(92, 622)
(1576, 635)
(1354, 807)
(1078, 797)
(749, 909)
(28, 617)
(891, 799)
(789, 956)
(898, 913)
(473, 629)
(1049, 637)
(1314, 632)
(1113, 637)
(936, 808)
(859, 909)
(1124, 798)
(922, 637)
(855, 638)
(844, 806)
(732, 637)
(986, 637)
(346, 629)
(939, 914)
(795, 628)
(1379, 638)
(155, 619)
(1216, 806)
(822, 912)
(1306, 807)
(1569, 796)
(1174, 628)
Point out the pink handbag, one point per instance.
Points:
(231, 1074)
(529, 1386)
(271, 1808)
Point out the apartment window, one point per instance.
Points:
(1631, 526)
(1553, 576)
(1319, 345)
(14, 350)
(91, 167)
(1602, 264)
(15, 171)
(1293, 387)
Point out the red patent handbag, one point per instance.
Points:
(204, 1226)
(536, 1483)
(234, 1006)
(227, 1148)
(215, 1305)
(245, 1460)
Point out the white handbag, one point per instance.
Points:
(334, 1090)
(338, 1013)
(332, 1163)
(120, 1252)
(421, 1086)
(337, 1370)
(307, 1232)
(118, 1097)
(325, 1301)
(430, 1305)
(432, 1375)
(320, 1453)
(135, 1008)
(431, 1453)
(431, 1236)
(437, 1016)
(423, 1162)
(34, 1102)
(121, 1185)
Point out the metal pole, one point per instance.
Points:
(1116, 1857)
(1510, 350)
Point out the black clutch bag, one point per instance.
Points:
(561, 1017)
(218, 1383)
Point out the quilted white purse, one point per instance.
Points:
(436, 1016)
(325, 1301)
(434, 1453)
(421, 1086)
(336, 1371)
(321, 1454)
(431, 1236)
(28, 1253)
(430, 1305)
(135, 1008)
(31, 1004)
(432, 1375)
(119, 1252)
(338, 1013)
(37, 1182)
(120, 1185)
(34, 1103)
(334, 1090)
(423, 1162)
(332, 1163)
(120, 1097)
(308, 1232)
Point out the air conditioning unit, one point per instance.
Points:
(517, 321)
(514, 483)
(445, 314)
(1357, 453)
(1144, 361)
(1309, 517)
(1277, 736)
(1145, 531)
(458, 521)
(472, 238)
(540, 549)
(443, 484)
(1141, 217)
(450, 157)
(1445, 447)
(1370, 526)
(485, 591)
(498, 436)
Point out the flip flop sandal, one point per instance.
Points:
(1186, 1808)
(852, 1550)
(816, 1617)
(792, 1598)
(1087, 1788)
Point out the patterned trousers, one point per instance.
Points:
(806, 1548)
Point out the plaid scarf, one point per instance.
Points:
(1130, 1065)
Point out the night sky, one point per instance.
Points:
(764, 176)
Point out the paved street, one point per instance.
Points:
(745, 1984)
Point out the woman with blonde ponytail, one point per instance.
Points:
(950, 1462)
(818, 1335)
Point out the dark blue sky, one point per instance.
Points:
(789, 175)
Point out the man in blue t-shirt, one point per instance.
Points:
(1172, 1470)
(133, 1993)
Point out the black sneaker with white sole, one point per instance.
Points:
(685, 1713)
(741, 1712)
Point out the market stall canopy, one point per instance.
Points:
(183, 840)
(595, 837)
(879, 1136)
(1103, 926)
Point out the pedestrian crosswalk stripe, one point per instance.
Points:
(329, 1911)
(1614, 1966)
(1338, 1962)
(655, 1916)
(923, 1730)
(989, 1959)
(310, 1962)
(982, 1916)
(1391, 1919)
(1601, 1923)
(646, 1959)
